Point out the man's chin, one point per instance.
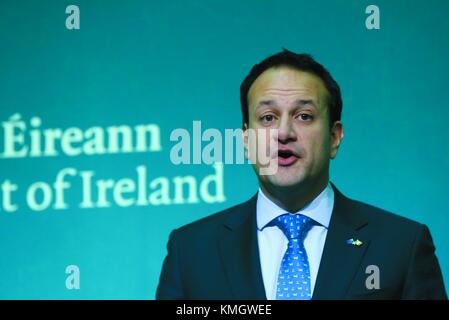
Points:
(280, 180)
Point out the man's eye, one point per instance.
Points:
(305, 117)
(267, 118)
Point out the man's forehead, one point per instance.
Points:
(295, 102)
(286, 83)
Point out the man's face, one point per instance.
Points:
(294, 103)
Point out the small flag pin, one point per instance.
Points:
(354, 242)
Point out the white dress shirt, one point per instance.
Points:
(273, 243)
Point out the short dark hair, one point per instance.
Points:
(302, 62)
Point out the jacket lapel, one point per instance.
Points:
(340, 260)
(339, 263)
(240, 253)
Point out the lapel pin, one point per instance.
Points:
(354, 242)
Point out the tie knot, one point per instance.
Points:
(294, 226)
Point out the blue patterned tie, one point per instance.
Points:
(294, 274)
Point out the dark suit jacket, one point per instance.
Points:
(217, 257)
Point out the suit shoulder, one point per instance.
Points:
(211, 222)
(382, 217)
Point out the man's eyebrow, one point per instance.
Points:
(304, 102)
(298, 103)
(266, 103)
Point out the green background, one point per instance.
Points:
(172, 62)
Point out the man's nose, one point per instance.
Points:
(286, 131)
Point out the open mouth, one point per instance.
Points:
(286, 157)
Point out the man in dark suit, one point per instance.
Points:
(299, 237)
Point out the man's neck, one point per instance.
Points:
(293, 199)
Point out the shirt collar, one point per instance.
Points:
(319, 209)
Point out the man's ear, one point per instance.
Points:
(245, 139)
(337, 134)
